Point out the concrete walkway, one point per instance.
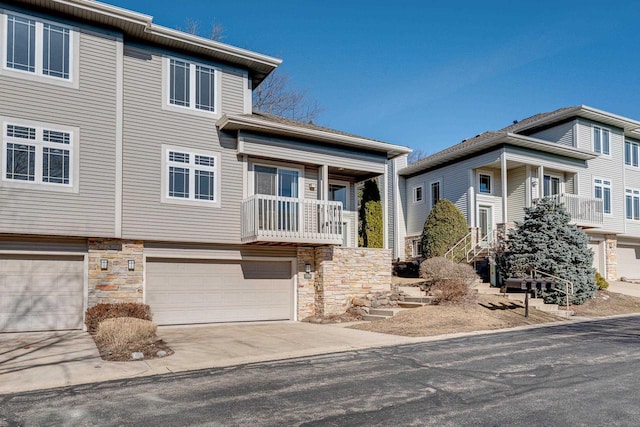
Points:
(626, 288)
(40, 360)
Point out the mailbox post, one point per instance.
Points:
(527, 285)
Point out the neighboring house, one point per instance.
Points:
(134, 170)
(580, 156)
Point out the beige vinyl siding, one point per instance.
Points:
(295, 151)
(454, 187)
(516, 193)
(146, 128)
(608, 167)
(561, 134)
(311, 181)
(92, 109)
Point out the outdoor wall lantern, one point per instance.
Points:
(104, 264)
(132, 265)
(307, 271)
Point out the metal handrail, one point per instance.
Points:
(450, 253)
(567, 283)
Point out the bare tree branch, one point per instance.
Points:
(416, 155)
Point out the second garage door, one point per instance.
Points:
(204, 291)
(628, 261)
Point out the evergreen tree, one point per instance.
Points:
(370, 229)
(444, 227)
(546, 241)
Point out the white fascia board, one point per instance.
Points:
(250, 123)
(108, 10)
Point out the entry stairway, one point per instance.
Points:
(519, 297)
(415, 298)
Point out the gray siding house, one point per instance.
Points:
(134, 169)
(582, 157)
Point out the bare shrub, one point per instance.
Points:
(96, 314)
(450, 282)
(119, 333)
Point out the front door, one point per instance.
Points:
(339, 192)
(485, 223)
(280, 212)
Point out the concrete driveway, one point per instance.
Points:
(32, 361)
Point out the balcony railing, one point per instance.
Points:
(584, 211)
(286, 219)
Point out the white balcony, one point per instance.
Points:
(291, 220)
(584, 211)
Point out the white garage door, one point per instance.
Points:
(41, 293)
(597, 258)
(628, 261)
(203, 291)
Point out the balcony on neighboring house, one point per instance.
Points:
(267, 218)
(585, 211)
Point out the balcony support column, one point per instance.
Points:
(503, 176)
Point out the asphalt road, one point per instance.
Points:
(585, 374)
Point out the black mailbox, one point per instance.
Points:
(528, 284)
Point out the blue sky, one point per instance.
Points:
(428, 74)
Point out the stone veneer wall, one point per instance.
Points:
(611, 256)
(306, 287)
(346, 273)
(116, 283)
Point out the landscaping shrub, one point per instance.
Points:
(117, 334)
(95, 315)
(370, 230)
(601, 282)
(444, 227)
(450, 282)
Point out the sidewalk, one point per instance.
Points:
(626, 288)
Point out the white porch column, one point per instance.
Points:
(384, 197)
(503, 176)
(471, 209)
(540, 181)
(323, 185)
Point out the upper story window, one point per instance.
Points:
(39, 155)
(601, 141)
(551, 185)
(38, 48)
(631, 153)
(192, 86)
(435, 193)
(602, 190)
(484, 183)
(632, 204)
(418, 194)
(190, 176)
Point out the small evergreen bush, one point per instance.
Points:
(444, 227)
(370, 229)
(601, 282)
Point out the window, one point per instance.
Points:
(484, 183)
(38, 154)
(192, 86)
(417, 248)
(39, 48)
(339, 193)
(435, 193)
(551, 186)
(418, 196)
(631, 153)
(632, 204)
(601, 141)
(191, 176)
(602, 190)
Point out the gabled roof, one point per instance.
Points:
(512, 135)
(137, 26)
(282, 126)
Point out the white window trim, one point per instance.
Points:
(603, 185)
(277, 165)
(439, 181)
(491, 182)
(635, 192)
(593, 141)
(348, 185)
(39, 184)
(165, 198)
(624, 154)
(37, 76)
(553, 175)
(414, 194)
(191, 109)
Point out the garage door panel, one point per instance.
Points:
(628, 261)
(41, 293)
(203, 291)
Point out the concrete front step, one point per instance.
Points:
(412, 291)
(371, 317)
(422, 300)
(409, 304)
(488, 290)
(388, 312)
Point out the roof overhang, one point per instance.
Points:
(496, 141)
(250, 123)
(139, 26)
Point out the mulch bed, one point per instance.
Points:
(149, 349)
